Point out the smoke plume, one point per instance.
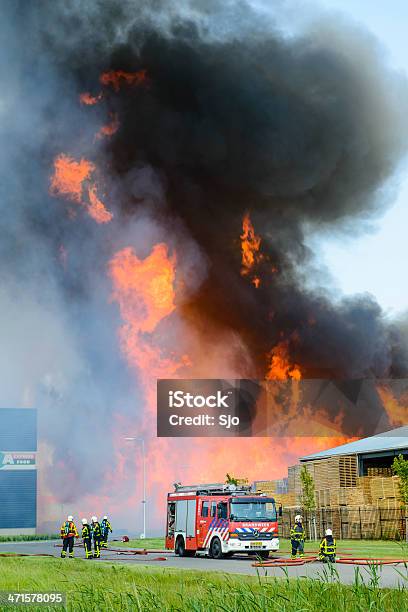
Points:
(301, 129)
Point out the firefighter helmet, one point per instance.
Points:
(84, 521)
(105, 517)
(298, 518)
(328, 532)
(70, 518)
(94, 519)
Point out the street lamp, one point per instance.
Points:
(132, 439)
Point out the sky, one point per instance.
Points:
(376, 262)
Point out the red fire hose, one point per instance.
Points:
(282, 562)
(25, 555)
(363, 561)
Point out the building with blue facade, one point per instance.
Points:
(18, 471)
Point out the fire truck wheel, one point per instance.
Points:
(263, 554)
(216, 549)
(181, 548)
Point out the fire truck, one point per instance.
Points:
(220, 520)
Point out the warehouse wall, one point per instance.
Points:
(18, 474)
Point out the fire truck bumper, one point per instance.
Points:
(235, 545)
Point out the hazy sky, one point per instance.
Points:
(376, 263)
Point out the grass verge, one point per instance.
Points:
(91, 587)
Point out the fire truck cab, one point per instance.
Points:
(220, 520)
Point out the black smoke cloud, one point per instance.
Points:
(304, 129)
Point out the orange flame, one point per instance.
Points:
(396, 408)
(96, 208)
(69, 175)
(280, 367)
(250, 244)
(114, 78)
(88, 99)
(109, 129)
(144, 290)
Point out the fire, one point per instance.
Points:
(144, 290)
(88, 99)
(115, 78)
(280, 367)
(96, 208)
(109, 129)
(250, 245)
(68, 181)
(69, 176)
(396, 408)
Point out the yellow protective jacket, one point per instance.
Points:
(298, 532)
(327, 546)
(68, 530)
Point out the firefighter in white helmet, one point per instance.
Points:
(87, 538)
(96, 536)
(297, 537)
(106, 527)
(327, 548)
(68, 533)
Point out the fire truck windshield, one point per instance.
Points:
(253, 510)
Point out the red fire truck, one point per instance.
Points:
(220, 520)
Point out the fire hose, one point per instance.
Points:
(25, 555)
(282, 562)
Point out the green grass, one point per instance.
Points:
(137, 543)
(358, 548)
(29, 538)
(98, 587)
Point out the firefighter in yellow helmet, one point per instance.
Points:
(68, 533)
(87, 538)
(96, 536)
(327, 549)
(106, 527)
(297, 537)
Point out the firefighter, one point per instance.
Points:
(68, 533)
(96, 536)
(297, 537)
(87, 538)
(106, 527)
(327, 548)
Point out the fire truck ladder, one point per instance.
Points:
(217, 488)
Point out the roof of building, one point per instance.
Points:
(389, 440)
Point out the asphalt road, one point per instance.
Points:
(388, 575)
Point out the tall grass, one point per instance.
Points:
(91, 587)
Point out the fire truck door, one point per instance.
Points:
(181, 516)
(185, 517)
(203, 522)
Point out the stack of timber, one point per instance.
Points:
(338, 497)
(242, 482)
(379, 471)
(385, 487)
(364, 483)
(287, 500)
(294, 483)
(265, 486)
(343, 471)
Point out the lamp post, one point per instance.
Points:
(133, 439)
